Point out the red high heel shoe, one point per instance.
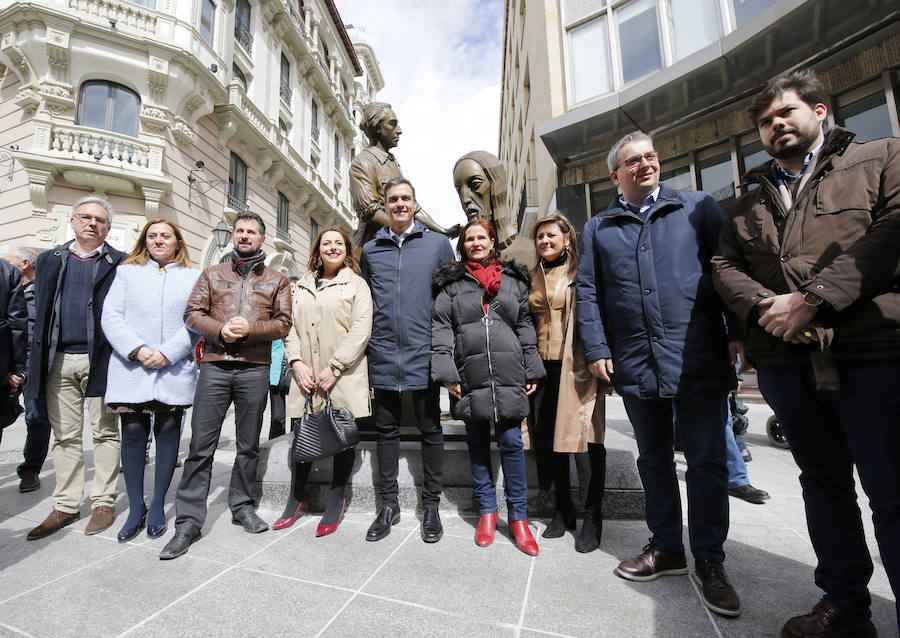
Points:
(325, 530)
(524, 540)
(302, 508)
(487, 525)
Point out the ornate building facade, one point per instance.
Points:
(579, 74)
(190, 110)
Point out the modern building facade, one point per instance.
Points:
(190, 110)
(579, 74)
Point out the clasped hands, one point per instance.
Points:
(235, 328)
(788, 316)
(304, 375)
(153, 359)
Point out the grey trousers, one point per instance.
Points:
(219, 385)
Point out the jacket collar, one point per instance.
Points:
(385, 232)
(383, 157)
(667, 196)
(836, 143)
(343, 276)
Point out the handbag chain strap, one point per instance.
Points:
(308, 407)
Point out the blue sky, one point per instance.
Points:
(441, 62)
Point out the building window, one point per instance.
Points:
(313, 233)
(337, 156)
(207, 20)
(314, 119)
(282, 127)
(242, 32)
(744, 10)
(110, 106)
(603, 193)
(284, 89)
(237, 74)
(589, 56)
(281, 222)
(752, 155)
(677, 178)
(868, 117)
(638, 39)
(237, 184)
(694, 25)
(717, 176)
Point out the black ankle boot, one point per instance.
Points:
(591, 530)
(564, 519)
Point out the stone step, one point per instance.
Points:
(623, 498)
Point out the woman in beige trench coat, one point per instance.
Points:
(326, 347)
(567, 416)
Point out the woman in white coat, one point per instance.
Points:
(326, 348)
(151, 370)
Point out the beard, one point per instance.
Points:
(802, 145)
(245, 251)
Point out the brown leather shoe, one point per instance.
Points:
(53, 523)
(651, 564)
(715, 588)
(826, 620)
(102, 517)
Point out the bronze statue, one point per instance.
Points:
(372, 168)
(480, 182)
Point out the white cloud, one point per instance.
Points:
(441, 64)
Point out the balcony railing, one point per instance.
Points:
(237, 204)
(95, 145)
(297, 20)
(314, 133)
(243, 36)
(283, 234)
(284, 90)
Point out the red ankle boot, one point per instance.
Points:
(487, 525)
(524, 540)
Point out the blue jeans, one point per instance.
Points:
(737, 469)
(512, 459)
(37, 437)
(830, 431)
(699, 419)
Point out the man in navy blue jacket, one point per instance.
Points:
(652, 324)
(398, 264)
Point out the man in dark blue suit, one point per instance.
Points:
(652, 324)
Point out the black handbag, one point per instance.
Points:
(318, 435)
(10, 408)
(287, 375)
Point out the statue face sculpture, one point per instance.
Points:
(474, 189)
(388, 132)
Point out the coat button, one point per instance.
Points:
(647, 291)
(785, 258)
(654, 338)
(644, 249)
(762, 201)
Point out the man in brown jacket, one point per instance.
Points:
(240, 307)
(810, 261)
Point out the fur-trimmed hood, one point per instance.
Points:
(456, 270)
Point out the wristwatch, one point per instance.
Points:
(812, 299)
(336, 371)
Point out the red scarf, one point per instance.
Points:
(487, 275)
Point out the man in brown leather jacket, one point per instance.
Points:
(810, 261)
(240, 307)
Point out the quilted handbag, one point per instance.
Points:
(318, 435)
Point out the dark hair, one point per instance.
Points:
(315, 262)
(494, 255)
(371, 118)
(140, 255)
(293, 279)
(254, 217)
(568, 232)
(802, 81)
(396, 181)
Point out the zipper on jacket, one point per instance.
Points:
(487, 321)
(397, 318)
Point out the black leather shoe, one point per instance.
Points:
(127, 533)
(749, 493)
(30, 481)
(178, 546)
(381, 526)
(717, 592)
(432, 530)
(250, 521)
(827, 620)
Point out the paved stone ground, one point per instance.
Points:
(236, 584)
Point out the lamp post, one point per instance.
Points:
(221, 235)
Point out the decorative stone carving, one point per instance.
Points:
(39, 183)
(47, 234)
(28, 100)
(154, 119)
(10, 47)
(57, 44)
(57, 97)
(182, 132)
(157, 78)
(152, 197)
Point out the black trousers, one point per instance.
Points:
(830, 432)
(387, 422)
(276, 412)
(219, 385)
(552, 467)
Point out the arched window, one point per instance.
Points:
(237, 74)
(109, 106)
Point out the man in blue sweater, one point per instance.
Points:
(398, 264)
(68, 363)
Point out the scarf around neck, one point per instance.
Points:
(488, 275)
(245, 264)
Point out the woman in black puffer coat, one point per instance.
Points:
(483, 349)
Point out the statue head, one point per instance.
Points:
(480, 182)
(379, 124)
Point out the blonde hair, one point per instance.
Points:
(140, 255)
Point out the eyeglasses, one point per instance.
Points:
(87, 219)
(633, 162)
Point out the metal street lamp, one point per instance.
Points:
(221, 234)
